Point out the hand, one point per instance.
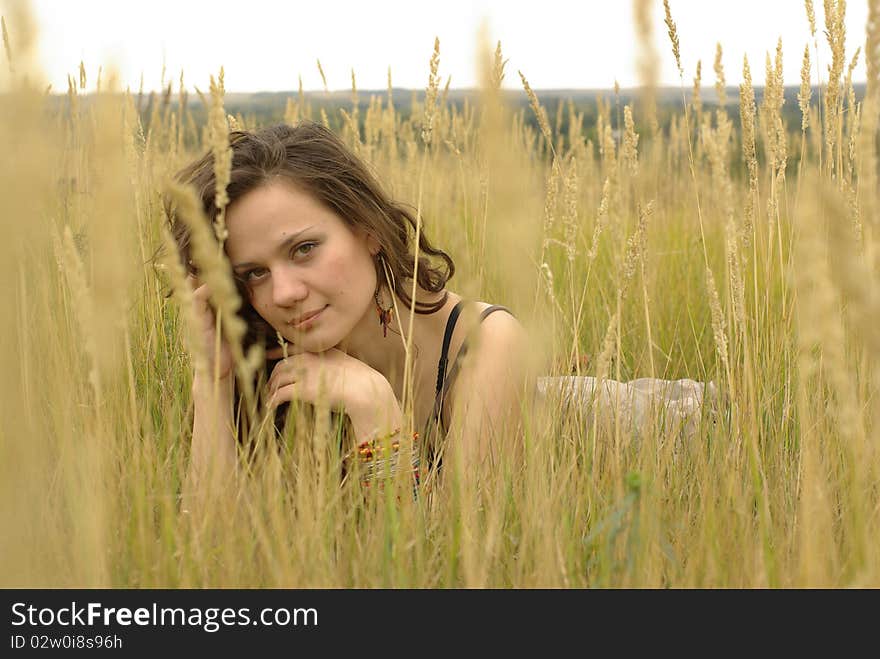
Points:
(340, 380)
(208, 326)
(332, 376)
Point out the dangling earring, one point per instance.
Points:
(385, 315)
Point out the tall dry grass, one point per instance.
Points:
(694, 249)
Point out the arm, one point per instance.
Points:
(486, 420)
(213, 459)
(376, 411)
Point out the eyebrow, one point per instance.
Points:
(292, 238)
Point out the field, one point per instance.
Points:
(711, 236)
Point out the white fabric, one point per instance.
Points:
(677, 404)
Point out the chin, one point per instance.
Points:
(313, 341)
(319, 345)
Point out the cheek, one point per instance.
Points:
(350, 274)
(261, 304)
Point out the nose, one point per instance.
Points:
(287, 288)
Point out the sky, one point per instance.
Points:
(265, 45)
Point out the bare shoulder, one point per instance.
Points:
(499, 329)
(495, 345)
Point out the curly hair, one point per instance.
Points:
(319, 163)
(315, 160)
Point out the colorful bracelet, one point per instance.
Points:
(379, 459)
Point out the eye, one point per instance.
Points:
(253, 275)
(305, 249)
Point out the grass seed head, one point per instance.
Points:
(811, 17)
(540, 114)
(672, 31)
(431, 94)
(630, 142)
(697, 98)
(219, 135)
(6, 47)
(720, 83)
(323, 77)
(805, 91)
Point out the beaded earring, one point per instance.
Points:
(385, 315)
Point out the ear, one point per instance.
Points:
(373, 244)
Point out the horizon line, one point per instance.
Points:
(384, 90)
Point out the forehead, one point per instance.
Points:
(269, 213)
(278, 203)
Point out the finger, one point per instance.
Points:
(202, 304)
(204, 312)
(284, 394)
(193, 281)
(287, 371)
(278, 377)
(202, 293)
(296, 360)
(278, 352)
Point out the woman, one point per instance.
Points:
(323, 258)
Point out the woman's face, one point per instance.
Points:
(298, 257)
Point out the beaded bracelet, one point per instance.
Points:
(379, 459)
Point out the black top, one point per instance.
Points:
(444, 378)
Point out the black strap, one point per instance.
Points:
(447, 337)
(444, 381)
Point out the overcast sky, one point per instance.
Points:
(264, 44)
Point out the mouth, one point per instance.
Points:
(307, 318)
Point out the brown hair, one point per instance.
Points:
(319, 163)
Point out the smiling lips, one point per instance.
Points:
(296, 322)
